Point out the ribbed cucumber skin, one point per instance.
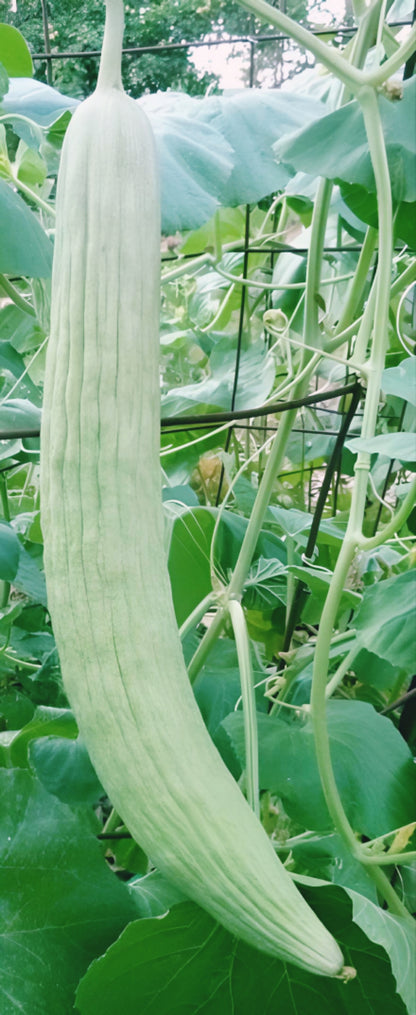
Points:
(108, 586)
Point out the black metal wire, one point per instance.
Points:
(251, 40)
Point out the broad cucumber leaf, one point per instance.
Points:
(64, 768)
(45, 721)
(195, 163)
(190, 548)
(386, 617)
(373, 766)
(319, 582)
(25, 248)
(154, 895)
(336, 146)
(14, 52)
(397, 936)
(327, 856)
(10, 549)
(393, 445)
(213, 151)
(12, 362)
(185, 963)
(255, 382)
(252, 121)
(401, 380)
(19, 414)
(363, 203)
(21, 330)
(37, 101)
(60, 905)
(29, 579)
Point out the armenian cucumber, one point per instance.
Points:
(108, 586)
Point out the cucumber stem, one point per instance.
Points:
(109, 74)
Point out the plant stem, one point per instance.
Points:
(356, 288)
(395, 523)
(10, 290)
(210, 637)
(261, 504)
(353, 536)
(197, 614)
(109, 74)
(249, 704)
(311, 331)
(33, 196)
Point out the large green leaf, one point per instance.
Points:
(397, 936)
(20, 329)
(401, 380)
(189, 564)
(255, 380)
(25, 248)
(213, 151)
(14, 53)
(19, 414)
(64, 769)
(373, 767)
(29, 578)
(385, 619)
(336, 146)
(37, 101)
(393, 445)
(60, 905)
(185, 964)
(12, 362)
(363, 204)
(46, 721)
(195, 163)
(9, 552)
(252, 121)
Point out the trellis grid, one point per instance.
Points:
(246, 419)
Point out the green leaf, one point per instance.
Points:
(37, 101)
(400, 446)
(386, 616)
(56, 721)
(15, 709)
(189, 552)
(372, 669)
(25, 249)
(21, 330)
(319, 582)
(31, 167)
(189, 566)
(217, 687)
(29, 579)
(12, 362)
(14, 53)
(363, 204)
(185, 964)
(64, 768)
(212, 151)
(9, 552)
(154, 895)
(336, 146)
(397, 936)
(19, 414)
(60, 905)
(256, 376)
(401, 380)
(195, 161)
(327, 856)
(373, 767)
